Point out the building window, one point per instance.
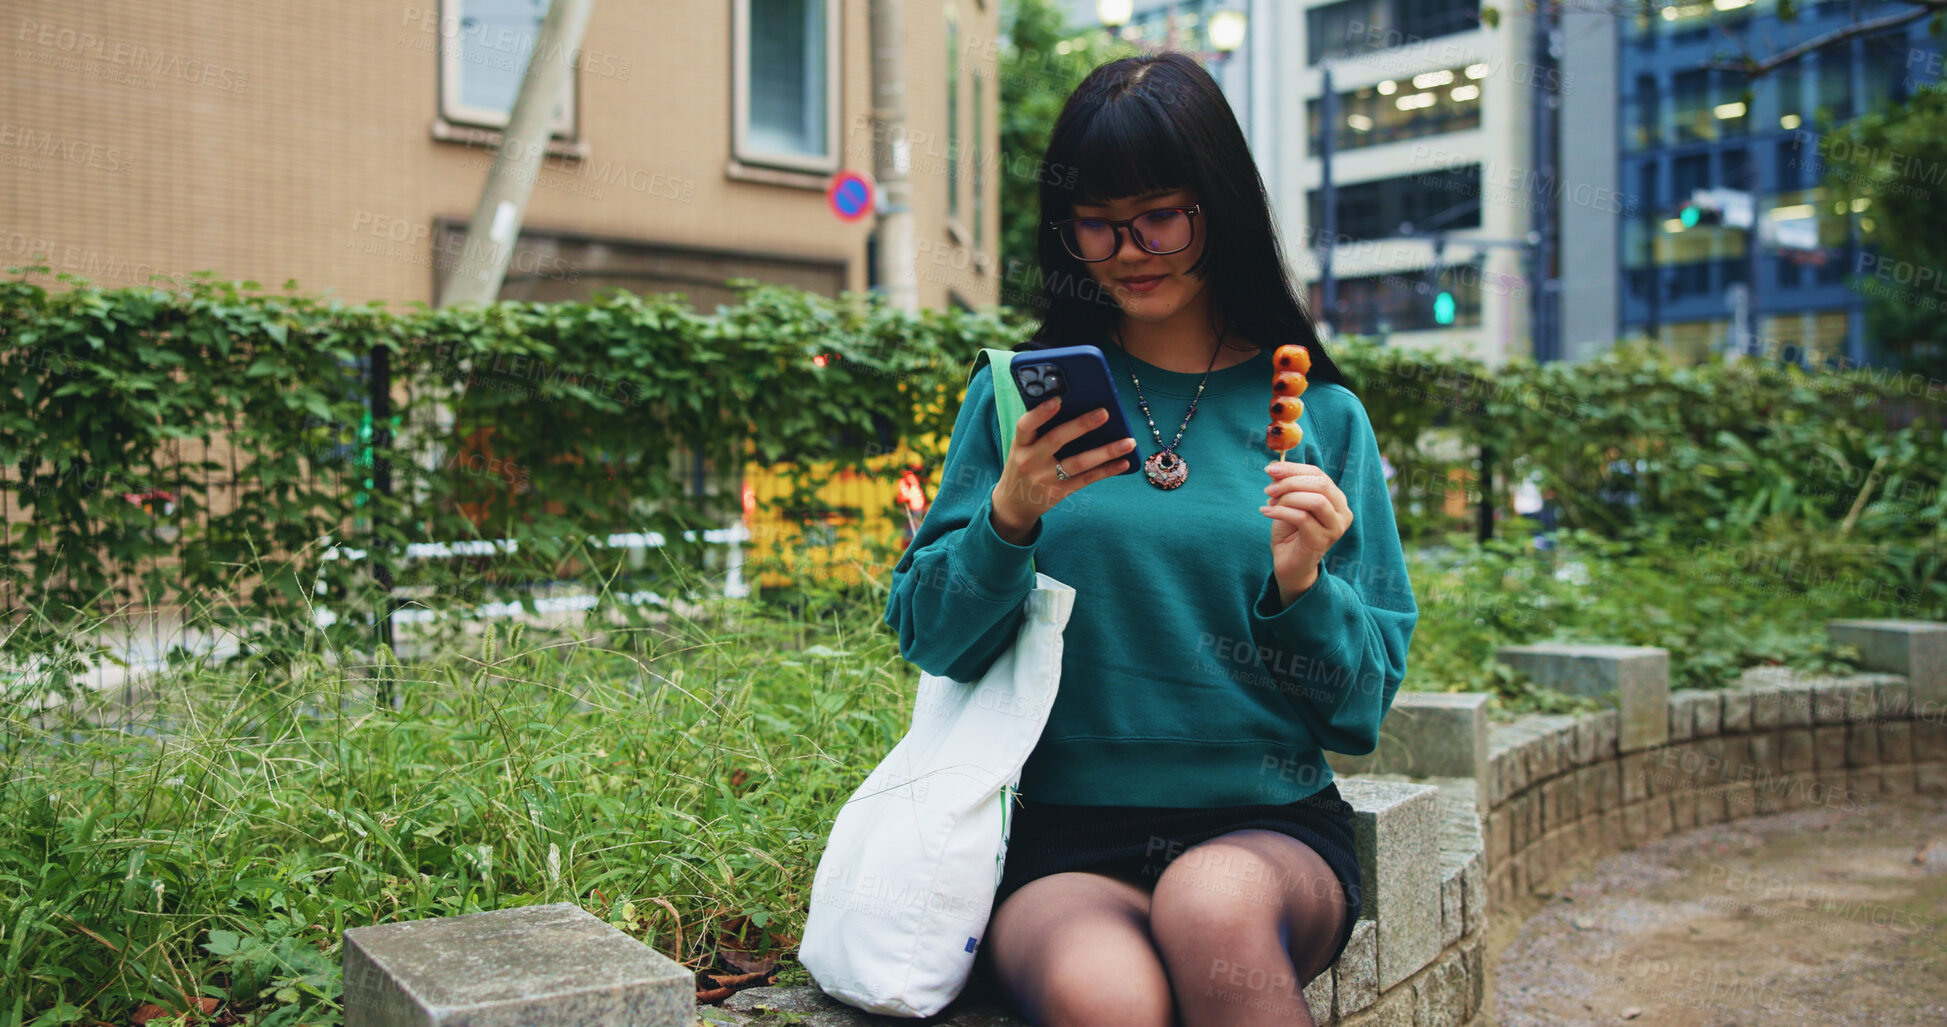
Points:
(1640, 117)
(786, 83)
(952, 111)
(1353, 27)
(1448, 199)
(1429, 103)
(484, 48)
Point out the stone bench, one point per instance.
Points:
(552, 964)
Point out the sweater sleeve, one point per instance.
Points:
(1340, 648)
(959, 591)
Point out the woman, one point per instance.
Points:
(1180, 853)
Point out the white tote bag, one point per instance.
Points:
(903, 891)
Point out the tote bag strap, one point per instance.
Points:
(1008, 405)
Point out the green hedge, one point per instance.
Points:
(109, 382)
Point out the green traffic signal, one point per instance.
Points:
(1443, 308)
(1690, 215)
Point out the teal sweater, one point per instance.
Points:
(1183, 682)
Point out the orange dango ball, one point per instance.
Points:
(1282, 435)
(1292, 357)
(1287, 408)
(1288, 383)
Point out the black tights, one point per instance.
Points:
(1229, 935)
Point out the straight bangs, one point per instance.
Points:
(1126, 149)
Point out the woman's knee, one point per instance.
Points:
(1052, 938)
(1228, 895)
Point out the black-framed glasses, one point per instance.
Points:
(1162, 231)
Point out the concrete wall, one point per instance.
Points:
(277, 141)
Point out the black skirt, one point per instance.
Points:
(1046, 838)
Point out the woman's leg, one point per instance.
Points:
(1073, 950)
(1244, 921)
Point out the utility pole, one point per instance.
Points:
(1328, 109)
(503, 202)
(892, 157)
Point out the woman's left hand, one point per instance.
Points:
(1308, 513)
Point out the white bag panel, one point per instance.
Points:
(905, 886)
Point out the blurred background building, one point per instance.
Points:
(344, 145)
(1514, 180)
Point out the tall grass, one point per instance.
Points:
(215, 838)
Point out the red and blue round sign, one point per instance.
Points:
(849, 195)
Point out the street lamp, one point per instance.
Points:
(1226, 30)
(1114, 14)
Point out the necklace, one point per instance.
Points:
(1164, 468)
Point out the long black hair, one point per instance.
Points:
(1156, 122)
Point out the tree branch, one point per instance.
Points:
(1758, 69)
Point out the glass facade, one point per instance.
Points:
(1683, 127)
(1353, 27)
(1376, 210)
(1429, 103)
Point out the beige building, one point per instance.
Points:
(344, 145)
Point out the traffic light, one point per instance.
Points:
(1443, 308)
(1695, 213)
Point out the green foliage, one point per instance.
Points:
(1843, 467)
(240, 420)
(1893, 159)
(1039, 68)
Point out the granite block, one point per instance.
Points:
(1795, 703)
(1764, 754)
(1893, 698)
(1662, 820)
(1427, 734)
(1914, 649)
(1895, 741)
(1796, 754)
(1585, 732)
(1930, 778)
(1635, 784)
(1606, 725)
(1473, 896)
(1683, 811)
(1828, 701)
(1588, 792)
(1767, 708)
(1638, 677)
(1829, 745)
(1355, 977)
(1450, 908)
(1319, 1000)
(1862, 744)
(1736, 711)
(1396, 830)
(1929, 734)
(1710, 806)
(545, 964)
(1635, 821)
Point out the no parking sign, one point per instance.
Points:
(849, 195)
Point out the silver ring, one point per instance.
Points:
(1060, 474)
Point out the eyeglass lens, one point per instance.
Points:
(1158, 231)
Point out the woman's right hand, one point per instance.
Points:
(1029, 486)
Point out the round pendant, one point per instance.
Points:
(1165, 469)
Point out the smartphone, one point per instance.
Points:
(1080, 376)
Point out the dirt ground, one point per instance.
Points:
(1827, 916)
